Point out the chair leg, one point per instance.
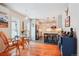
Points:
(17, 49)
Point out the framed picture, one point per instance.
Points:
(3, 20)
(67, 21)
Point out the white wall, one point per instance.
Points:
(5, 10)
(10, 13)
(60, 21)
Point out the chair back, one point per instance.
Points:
(3, 41)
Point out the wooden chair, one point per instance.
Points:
(7, 42)
(23, 41)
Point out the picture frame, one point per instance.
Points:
(67, 21)
(3, 20)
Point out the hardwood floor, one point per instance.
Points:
(35, 49)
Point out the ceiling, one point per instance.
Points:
(38, 10)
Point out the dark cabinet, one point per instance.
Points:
(50, 38)
(68, 46)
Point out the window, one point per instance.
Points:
(15, 27)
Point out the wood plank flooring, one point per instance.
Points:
(35, 49)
